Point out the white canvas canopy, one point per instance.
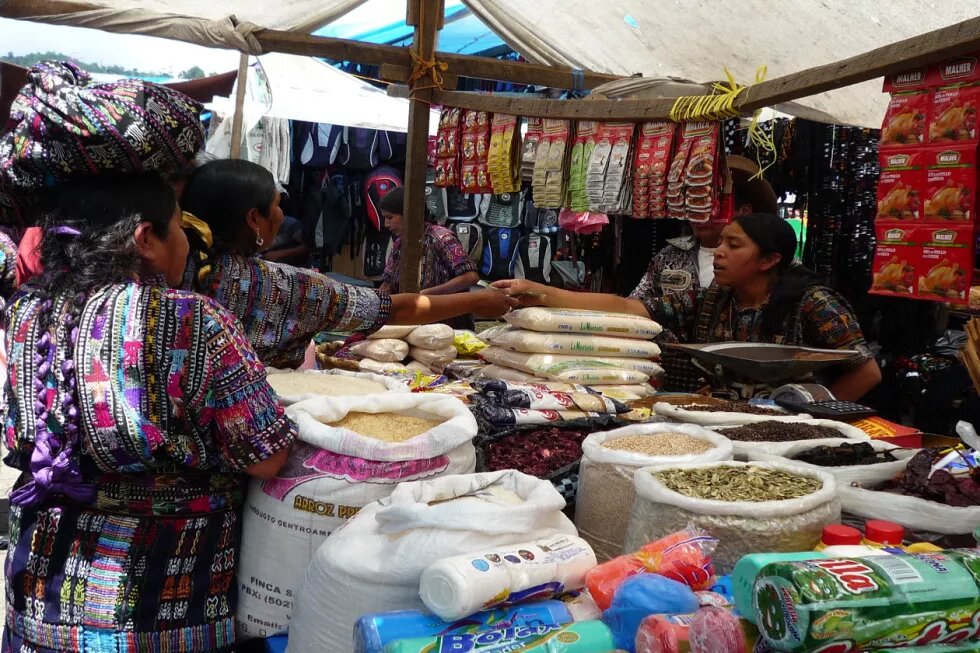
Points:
(693, 39)
(303, 88)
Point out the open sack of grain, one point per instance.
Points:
(609, 460)
(375, 563)
(750, 507)
(777, 437)
(351, 451)
(586, 347)
(865, 463)
(293, 386)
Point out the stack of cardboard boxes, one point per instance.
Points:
(925, 223)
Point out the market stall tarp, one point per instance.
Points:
(216, 23)
(694, 40)
(303, 88)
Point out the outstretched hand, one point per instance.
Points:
(527, 293)
(493, 303)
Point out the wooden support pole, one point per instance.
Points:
(238, 118)
(426, 13)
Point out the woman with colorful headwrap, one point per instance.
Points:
(134, 410)
(232, 212)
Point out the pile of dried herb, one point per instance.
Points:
(737, 483)
(716, 406)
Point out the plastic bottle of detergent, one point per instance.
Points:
(373, 632)
(838, 535)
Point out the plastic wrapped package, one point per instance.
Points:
(741, 527)
(437, 359)
(864, 475)
(606, 488)
(431, 336)
(395, 331)
(533, 342)
(684, 557)
(644, 595)
(565, 320)
(384, 350)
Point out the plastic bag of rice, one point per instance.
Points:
(371, 365)
(572, 343)
(436, 359)
(576, 369)
(432, 336)
(293, 386)
(565, 320)
(609, 460)
(750, 507)
(386, 350)
(392, 331)
(501, 373)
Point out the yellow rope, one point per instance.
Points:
(425, 68)
(720, 105)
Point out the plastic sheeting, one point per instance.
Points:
(698, 39)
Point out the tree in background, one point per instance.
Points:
(192, 73)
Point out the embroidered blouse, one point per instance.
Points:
(282, 307)
(166, 380)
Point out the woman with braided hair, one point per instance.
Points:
(135, 411)
(232, 212)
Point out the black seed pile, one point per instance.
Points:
(780, 432)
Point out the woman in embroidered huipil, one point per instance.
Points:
(134, 411)
(231, 213)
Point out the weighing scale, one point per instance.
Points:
(781, 373)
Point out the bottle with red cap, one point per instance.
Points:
(882, 534)
(838, 535)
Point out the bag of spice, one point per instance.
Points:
(712, 414)
(777, 437)
(865, 463)
(914, 513)
(609, 461)
(750, 507)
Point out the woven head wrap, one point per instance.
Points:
(62, 127)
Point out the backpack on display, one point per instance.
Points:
(500, 252)
(504, 210)
(435, 199)
(470, 235)
(392, 147)
(377, 246)
(359, 148)
(326, 218)
(319, 144)
(540, 221)
(534, 259)
(378, 183)
(464, 207)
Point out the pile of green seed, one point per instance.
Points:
(742, 483)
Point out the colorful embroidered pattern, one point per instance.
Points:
(443, 259)
(282, 307)
(174, 403)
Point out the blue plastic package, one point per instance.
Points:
(639, 597)
(276, 644)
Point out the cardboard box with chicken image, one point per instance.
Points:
(932, 263)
